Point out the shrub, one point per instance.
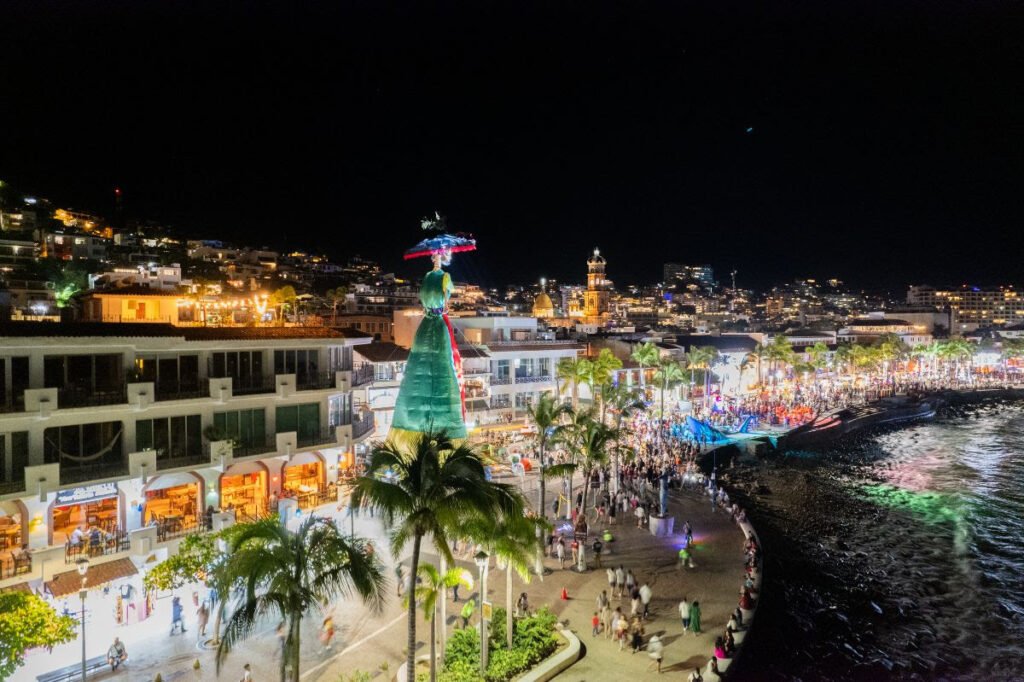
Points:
(533, 640)
(497, 630)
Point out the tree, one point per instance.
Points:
(545, 415)
(600, 377)
(283, 299)
(334, 297)
(646, 355)
(286, 574)
(574, 371)
(433, 586)
(779, 351)
(429, 488)
(27, 622)
(590, 442)
(817, 355)
(957, 350)
(703, 358)
(669, 374)
(623, 404)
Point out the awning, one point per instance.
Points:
(99, 575)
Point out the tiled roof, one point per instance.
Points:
(383, 352)
(99, 575)
(468, 350)
(130, 290)
(147, 329)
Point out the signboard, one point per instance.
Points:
(86, 494)
(486, 610)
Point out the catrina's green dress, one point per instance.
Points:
(430, 397)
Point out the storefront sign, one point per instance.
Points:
(89, 493)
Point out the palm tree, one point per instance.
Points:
(511, 540)
(844, 356)
(545, 415)
(669, 373)
(780, 350)
(434, 586)
(817, 355)
(429, 488)
(1011, 349)
(564, 434)
(646, 355)
(957, 350)
(336, 296)
(590, 440)
(624, 404)
(285, 574)
(600, 377)
(283, 299)
(703, 358)
(574, 371)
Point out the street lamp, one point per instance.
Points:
(481, 563)
(83, 570)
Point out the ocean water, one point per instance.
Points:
(898, 555)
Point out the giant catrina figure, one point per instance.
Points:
(431, 397)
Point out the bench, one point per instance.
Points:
(74, 672)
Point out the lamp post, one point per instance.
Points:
(83, 570)
(481, 563)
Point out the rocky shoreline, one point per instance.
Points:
(853, 590)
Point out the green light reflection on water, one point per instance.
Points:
(930, 507)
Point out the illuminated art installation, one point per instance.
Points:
(431, 397)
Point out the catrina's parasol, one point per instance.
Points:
(452, 243)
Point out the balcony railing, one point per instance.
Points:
(259, 445)
(182, 390)
(362, 375)
(531, 342)
(501, 381)
(8, 487)
(534, 379)
(17, 563)
(84, 396)
(252, 385)
(78, 474)
(184, 461)
(362, 424)
(106, 543)
(314, 381)
(8, 405)
(322, 437)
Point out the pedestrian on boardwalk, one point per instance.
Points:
(630, 580)
(467, 612)
(621, 630)
(177, 619)
(202, 618)
(634, 602)
(595, 623)
(620, 581)
(598, 547)
(695, 617)
(327, 633)
(246, 673)
(398, 579)
(645, 599)
(636, 632)
(611, 580)
(654, 650)
(684, 614)
(560, 552)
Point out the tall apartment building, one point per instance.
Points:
(135, 429)
(703, 274)
(972, 307)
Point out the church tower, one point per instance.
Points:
(597, 298)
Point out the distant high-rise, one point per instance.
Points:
(702, 274)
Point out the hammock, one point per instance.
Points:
(85, 458)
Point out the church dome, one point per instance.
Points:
(542, 306)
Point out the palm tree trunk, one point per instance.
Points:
(508, 604)
(444, 607)
(293, 648)
(543, 509)
(433, 643)
(410, 658)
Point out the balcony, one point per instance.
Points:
(252, 385)
(182, 390)
(315, 381)
(107, 543)
(86, 396)
(362, 375)
(9, 487)
(534, 379)
(14, 564)
(201, 459)
(322, 437)
(501, 381)
(252, 447)
(362, 424)
(92, 472)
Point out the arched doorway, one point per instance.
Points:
(13, 526)
(244, 487)
(304, 479)
(174, 502)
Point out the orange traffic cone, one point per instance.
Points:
(565, 594)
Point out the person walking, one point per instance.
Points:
(398, 579)
(595, 624)
(327, 633)
(177, 617)
(645, 599)
(654, 650)
(695, 617)
(467, 612)
(202, 618)
(630, 581)
(246, 673)
(684, 614)
(560, 553)
(634, 602)
(611, 580)
(620, 581)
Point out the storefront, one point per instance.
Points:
(12, 525)
(304, 479)
(174, 502)
(243, 488)
(92, 506)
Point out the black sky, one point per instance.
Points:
(885, 143)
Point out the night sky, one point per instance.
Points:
(877, 141)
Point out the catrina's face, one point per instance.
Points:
(442, 258)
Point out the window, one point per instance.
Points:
(341, 358)
(171, 437)
(170, 374)
(339, 410)
(245, 367)
(503, 369)
(500, 401)
(248, 427)
(83, 445)
(544, 367)
(13, 458)
(302, 419)
(524, 400)
(304, 364)
(88, 373)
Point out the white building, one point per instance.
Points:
(151, 275)
(866, 330)
(137, 428)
